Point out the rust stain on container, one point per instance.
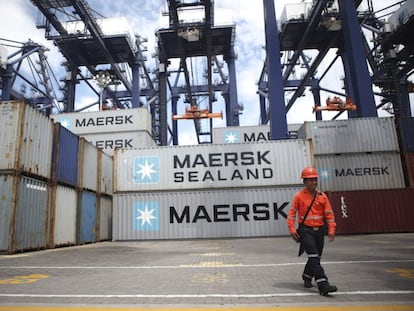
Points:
(373, 211)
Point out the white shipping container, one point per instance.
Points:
(87, 165)
(360, 171)
(120, 140)
(106, 174)
(351, 136)
(248, 134)
(202, 214)
(26, 138)
(274, 163)
(65, 216)
(106, 121)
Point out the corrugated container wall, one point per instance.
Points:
(409, 164)
(87, 165)
(407, 133)
(373, 211)
(31, 225)
(106, 121)
(202, 214)
(65, 156)
(26, 138)
(105, 221)
(121, 140)
(8, 195)
(351, 136)
(106, 173)
(65, 216)
(86, 217)
(360, 171)
(273, 163)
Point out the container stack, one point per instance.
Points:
(26, 138)
(111, 129)
(356, 154)
(207, 191)
(49, 197)
(360, 168)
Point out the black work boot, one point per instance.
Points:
(325, 289)
(307, 282)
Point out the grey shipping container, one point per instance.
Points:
(26, 138)
(360, 171)
(109, 121)
(24, 213)
(351, 136)
(273, 163)
(105, 173)
(202, 214)
(65, 156)
(105, 218)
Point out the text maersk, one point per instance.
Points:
(104, 121)
(245, 166)
(228, 212)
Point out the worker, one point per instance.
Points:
(312, 230)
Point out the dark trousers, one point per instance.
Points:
(312, 242)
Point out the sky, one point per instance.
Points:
(18, 22)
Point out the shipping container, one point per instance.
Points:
(351, 136)
(407, 133)
(202, 214)
(25, 209)
(108, 121)
(65, 156)
(360, 171)
(65, 207)
(247, 134)
(87, 165)
(208, 166)
(409, 165)
(26, 138)
(373, 211)
(86, 217)
(8, 193)
(105, 218)
(106, 170)
(121, 140)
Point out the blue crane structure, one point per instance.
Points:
(376, 54)
(324, 26)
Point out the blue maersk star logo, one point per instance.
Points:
(146, 170)
(324, 173)
(231, 137)
(65, 122)
(146, 216)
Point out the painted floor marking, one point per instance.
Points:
(290, 308)
(212, 265)
(168, 296)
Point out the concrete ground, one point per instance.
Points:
(372, 272)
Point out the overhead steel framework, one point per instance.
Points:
(23, 65)
(189, 41)
(326, 25)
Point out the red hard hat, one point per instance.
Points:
(309, 172)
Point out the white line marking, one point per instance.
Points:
(398, 292)
(197, 266)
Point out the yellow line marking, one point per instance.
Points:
(23, 279)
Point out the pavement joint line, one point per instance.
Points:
(192, 266)
(173, 296)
